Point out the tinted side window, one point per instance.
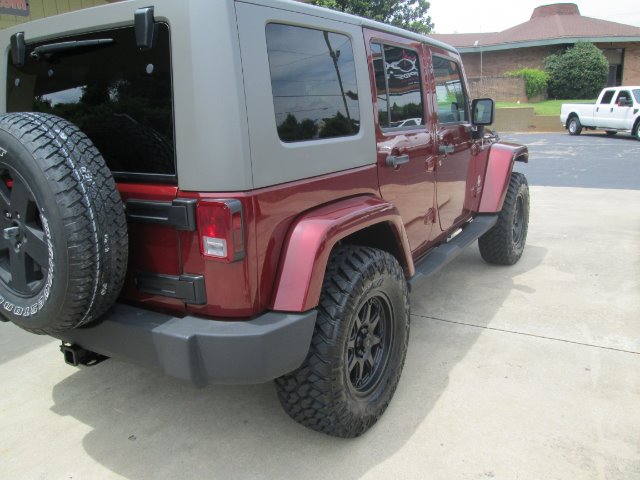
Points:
(452, 102)
(398, 86)
(623, 96)
(115, 93)
(313, 80)
(606, 98)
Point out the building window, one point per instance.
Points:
(313, 80)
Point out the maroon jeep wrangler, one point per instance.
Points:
(235, 192)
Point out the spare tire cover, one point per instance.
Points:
(63, 231)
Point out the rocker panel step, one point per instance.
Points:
(443, 254)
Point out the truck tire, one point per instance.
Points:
(64, 247)
(358, 347)
(574, 126)
(636, 130)
(504, 243)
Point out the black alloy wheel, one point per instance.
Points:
(24, 254)
(369, 345)
(518, 222)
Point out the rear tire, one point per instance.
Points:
(358, 347)
(636, 130)
(504, 243)
(574, 126)
(63, 248)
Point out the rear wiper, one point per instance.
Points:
(52, 48)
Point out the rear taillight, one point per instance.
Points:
(221, 229)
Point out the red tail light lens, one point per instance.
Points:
(221, 229)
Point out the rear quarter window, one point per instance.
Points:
(313, 81)
(118, 95)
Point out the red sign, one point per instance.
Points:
(14, 7)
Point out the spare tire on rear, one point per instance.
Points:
(63, 232)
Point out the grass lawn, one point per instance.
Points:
(548, 107)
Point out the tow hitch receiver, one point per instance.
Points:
(76, 355)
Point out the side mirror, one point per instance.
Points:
(483, 110)
(625, 102)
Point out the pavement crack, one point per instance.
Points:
(504, 330)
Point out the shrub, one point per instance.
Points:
(535, 80)
(580, 72)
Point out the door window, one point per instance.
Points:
(607, 97)
(452, 101)
(624, 97)
(398, 86)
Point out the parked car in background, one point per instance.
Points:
(616, 110)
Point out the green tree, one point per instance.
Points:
(579, 72)
(409, 14)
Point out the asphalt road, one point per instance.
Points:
(523, 372)
(590, 160)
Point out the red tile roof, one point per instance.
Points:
(548, 24)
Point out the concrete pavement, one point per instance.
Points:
(523, 372)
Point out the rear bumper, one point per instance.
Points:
(202, 351)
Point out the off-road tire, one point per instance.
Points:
(504, 243)
(611, 133)
(63, 245)
(574, 126)
(336, 391)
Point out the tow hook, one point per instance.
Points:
(76, 355)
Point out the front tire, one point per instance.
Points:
(636, 130)
(574, 126)
(358, 347)
(504, 243)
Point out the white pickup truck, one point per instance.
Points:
(617, 110)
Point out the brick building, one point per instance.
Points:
(18, 11)
(555, 27)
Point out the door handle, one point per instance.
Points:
(393, 161)
(443, 149)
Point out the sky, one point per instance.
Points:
(472, 16)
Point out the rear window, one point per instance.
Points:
(118, 95)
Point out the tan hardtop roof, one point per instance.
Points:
(308, 9)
